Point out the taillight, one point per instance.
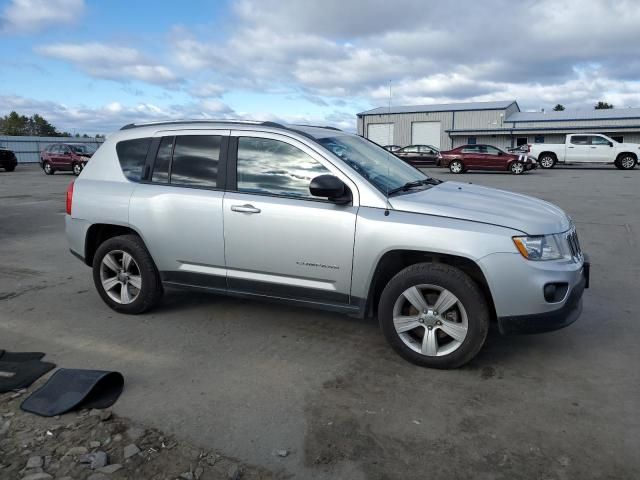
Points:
(529, 148)
(69, 198)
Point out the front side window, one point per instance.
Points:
(132, 155)
(599, 141)
(492, 150)
(276, 168)
(379, 167)
(410, 149)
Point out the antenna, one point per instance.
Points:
(386, 212)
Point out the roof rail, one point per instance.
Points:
(197, 122)
(316, 126)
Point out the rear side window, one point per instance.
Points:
(132, 155)
(195, 160)
(580, 140)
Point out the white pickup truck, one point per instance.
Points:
(587, 148)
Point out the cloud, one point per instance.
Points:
(207, 90)
(113, 115)
(110, 62)
(27, 16)
(497, 48)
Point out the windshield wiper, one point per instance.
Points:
(414, 184)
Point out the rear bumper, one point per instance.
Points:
(553, 320)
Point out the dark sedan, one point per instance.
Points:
(419, 155)
(485, 157)
(8, 159)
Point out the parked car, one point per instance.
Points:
(392, 148)
(321, 218)
(8, 159)
(587, 148)
(65, 157)
(419, 155)
(485, 157)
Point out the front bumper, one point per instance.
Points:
(553, 320)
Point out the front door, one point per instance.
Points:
(178, 209)
(600, 149)
(279, 240)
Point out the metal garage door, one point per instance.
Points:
(380, 133)
(425, 133)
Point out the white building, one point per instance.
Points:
(502, 124)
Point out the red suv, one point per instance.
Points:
(65, 157)
(485, 157)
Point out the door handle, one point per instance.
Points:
(570, 147)
(593, 147)
(247, 208)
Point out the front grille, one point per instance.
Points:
(574, 243)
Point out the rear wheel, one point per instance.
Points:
(547, 161)
(627, 161)
(434, 315)
(517, 168)
(125, 275)
(48, 169)
(77, 169)
(456, 166)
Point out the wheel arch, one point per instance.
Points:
(394, 261)
(98, 233)
(626, 153)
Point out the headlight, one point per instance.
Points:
(540, 247)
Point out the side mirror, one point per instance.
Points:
(611, 144)
(331, 187)
(500, 153)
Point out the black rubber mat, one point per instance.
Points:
(72, 389)
(19, 356)
(17, 375)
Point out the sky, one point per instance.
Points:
(91, 66)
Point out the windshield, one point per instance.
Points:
(83, 148)
(381, 168)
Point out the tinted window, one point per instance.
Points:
(426, 149)
(492, 150)
(132, 155)
(195, 160)
(271, 166)
(599, 141)
(470, 149)
(163, 161)
(580, 140)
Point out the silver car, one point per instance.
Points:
(326, 219)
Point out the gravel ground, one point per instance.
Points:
(245, 378)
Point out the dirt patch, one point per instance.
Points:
(98, 445)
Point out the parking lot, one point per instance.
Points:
(246, 378)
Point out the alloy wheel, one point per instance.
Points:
(546, 162)
(77, 169)
(517, 168)
(430, 320)
(120, 276)
(47, 168)
(455, 166)
(627, 162)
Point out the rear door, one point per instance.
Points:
(177, 208)
(279, 240)
(578, 148)
(471, 156)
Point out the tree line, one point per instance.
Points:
(598, 106)
(36, 125)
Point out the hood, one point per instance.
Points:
(487, 205)
(628, 146)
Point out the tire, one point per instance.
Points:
(434, 280)
(517, 168)
(456, 166)
(10, 169)
(627, 161)
(547, 161)
(76, 168)
(138, 296)
(48, 169)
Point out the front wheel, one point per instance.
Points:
(456, 166)
(10, 169)
(77, 169)
(125, 275)
(627, 162)
(434, 315)
(48, 169)
(517, 168)
(547, 161)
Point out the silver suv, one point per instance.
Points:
(327, 219)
